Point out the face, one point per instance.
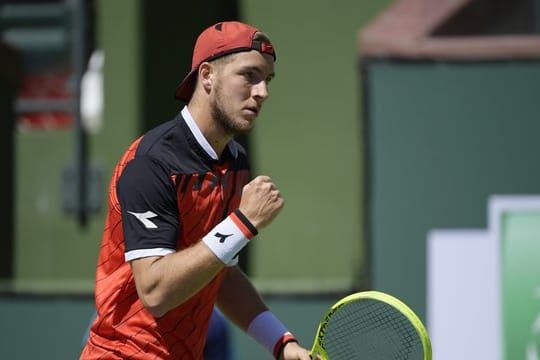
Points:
(239, 89)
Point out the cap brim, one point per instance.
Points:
(184, 91)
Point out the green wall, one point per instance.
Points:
(43, 327)
(443, 137)
(308, 140)
(52, 253)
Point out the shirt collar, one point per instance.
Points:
(200, 137)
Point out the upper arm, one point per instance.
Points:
(147, 197)
(141, 268)
(147, 284)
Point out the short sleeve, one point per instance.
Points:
(147, 197)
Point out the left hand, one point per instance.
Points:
(293, 351)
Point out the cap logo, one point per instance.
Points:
(267, 48)
(263, 47)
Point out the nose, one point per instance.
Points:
(260, 91)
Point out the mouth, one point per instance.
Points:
(252, 110)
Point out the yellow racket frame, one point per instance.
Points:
(318, 350)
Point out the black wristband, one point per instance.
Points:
(246, 222)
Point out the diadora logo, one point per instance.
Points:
(144, 218)
(221, 236)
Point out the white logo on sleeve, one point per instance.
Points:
(143, 217)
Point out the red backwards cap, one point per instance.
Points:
(218, 40)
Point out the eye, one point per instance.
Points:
(250, 76)
(254, 76)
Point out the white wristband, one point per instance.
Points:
(229, 237)
(269, 332)
(233, 262)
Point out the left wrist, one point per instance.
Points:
(269, 332)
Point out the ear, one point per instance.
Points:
(206, 75)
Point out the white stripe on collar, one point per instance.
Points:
(200, 137)
(198, 134)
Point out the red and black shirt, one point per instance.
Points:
(167, 192)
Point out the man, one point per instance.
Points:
(181, 207)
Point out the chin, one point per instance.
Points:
(243, 129)
(245, 124)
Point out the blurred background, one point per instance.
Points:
(404, 136)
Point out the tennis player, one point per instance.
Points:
(181, 207)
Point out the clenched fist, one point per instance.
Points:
(261, 201)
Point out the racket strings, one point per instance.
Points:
(370, 329)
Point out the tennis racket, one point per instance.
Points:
(371, 325)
